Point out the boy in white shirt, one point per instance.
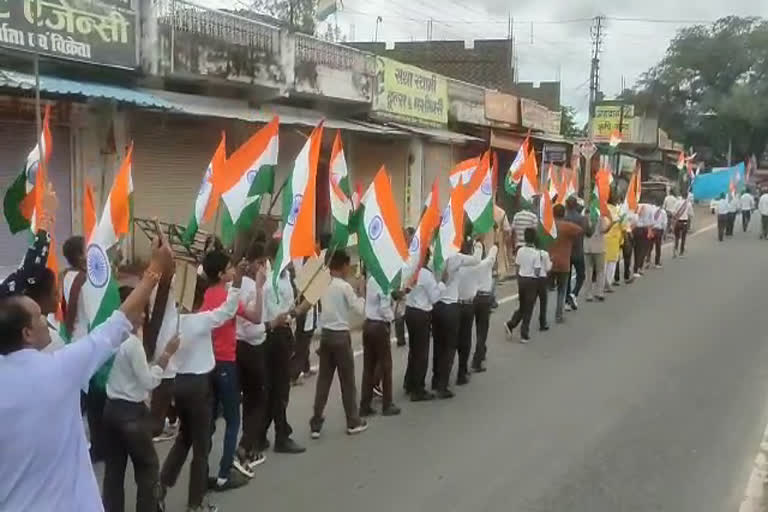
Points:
(532, 263)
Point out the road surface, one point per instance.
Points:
(652, 401)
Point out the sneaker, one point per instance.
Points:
(288, 446)
(574, 303)
(170, 431)
(508, 327)
(377, 391)
(544, 328)
(242, 462)
(616, 283)
(600, 298)
(359, 429)
(367, 411)
(310, 373)
(525, 339)
(298, 381)
(315, 426)
(235, 480)
(658, 266)
(256, 459)
(568, 308)
(390, 410)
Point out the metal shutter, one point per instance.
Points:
(438, 162)
(16, 141)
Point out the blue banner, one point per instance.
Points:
(711, 185)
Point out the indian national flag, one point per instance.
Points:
(479, 197)
(572, 182)
(463, 171)
(425, 231)
(598, 204)
(515, 172)
(529, 180)
(547, 227)
(207, 201)
(681, 161)
(341, 204)
(89, 211)
(380, 234)
(298, 237)
(20, 200)
(250, 173)
(632, 199)
(615, 139)
(451, 231)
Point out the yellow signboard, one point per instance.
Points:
(407, 93)
(608, 119)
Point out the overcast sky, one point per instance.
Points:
(547, 48)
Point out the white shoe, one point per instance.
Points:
(359, 429)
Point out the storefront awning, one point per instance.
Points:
(228, 108)
(440, 134)
(65, 87)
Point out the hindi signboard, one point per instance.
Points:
(609, 119)
(94, 31)
(407, 93)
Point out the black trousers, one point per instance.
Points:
(419, 325)
(193, 405)
(377, 362)
(731, 223)
(464, 341)
(722, 225)
(128, 433)
(626, 251)
(764, 226)
(483, 303)
(162, 406)
(528, 290)
(278, 349)
(94, 411)
(543, 294)
(446, 319)
(658, 237)
(746, 216)
(579, 267)
(641, 243)
(300, 356)
(681, 234)
(251, 363)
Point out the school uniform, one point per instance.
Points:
(659, 228)
(683, 214)
(483, 278)
(377, 351)
(734, 207)
(306, 325)
(747, 205)
(161, 407)
(532, 263)
(723, 210)
(762, 207)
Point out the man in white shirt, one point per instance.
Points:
(734, 207)
(425, 292)
(722, 208)
(45, 463)
(670, 204)
(483, 275)
(523, 220)
(377, 349)
(532, 263)
(127, 422)
(681, 221)
(659, 229)
(338, 304)
(446, 321)
(747, 205)
(762, 206)
(640, 235)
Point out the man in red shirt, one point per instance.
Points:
(560, 254)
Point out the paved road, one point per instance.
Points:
(653, 401)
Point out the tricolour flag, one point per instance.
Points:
(463, 171)
(681, 161)
(207, 201)
(89, 212)
(341, 203)
(599, 200)
(451, 231)
(632, 199)
(479, 197)
(615, 139)
(250, 173)
(22, 196)
(298, 236)
(515, 172)
(572, 188)
(547, 226)
(425, 231)
(380, 234)
(529, 180)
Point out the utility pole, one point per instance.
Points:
(596, 32)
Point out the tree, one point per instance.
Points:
(712, 87)
(568, 126)
(298, 15)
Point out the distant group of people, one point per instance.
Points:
(729, 206)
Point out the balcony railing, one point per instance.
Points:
(336, 56)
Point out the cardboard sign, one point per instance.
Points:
(313, 278)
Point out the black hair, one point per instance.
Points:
(14, 318)
(255, 251)
(272, 247)
(558, 211)
(467, 246)
(339, 260)
(74, 250)
(43, 285)
(410, 231)
(214, 263)
(427, 257)
(260, 237)
(213, 243)
(530, 235)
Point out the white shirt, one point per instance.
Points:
(471, 276)
(56, 341)
(734, 204)
(532, 262)
(723, 207)
(253, 334)
(168, 328)
(671, 203)
(484, 271)
(425, 292)
(45, 463)
(378, 305)
(276, 303)
(645, 215)
(195, 354)
(453, 265)
(747, 202)
(762, 205)
(660, 219)
(80, 329)
(338, 302)
(684, 209)
(132, 377)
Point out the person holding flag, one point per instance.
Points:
(722, 208)
(682, 221)
(532, 263)
(569, 239)
(734, 207)
(747, 206)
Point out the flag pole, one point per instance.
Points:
(36, 66)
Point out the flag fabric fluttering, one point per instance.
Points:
(479, 197)
(615, 140)
(681, 161)
(463, 172)
(451, 230)
(598, 204)
(529, 180)
(298, 232)
(22, 196)
(341, 202)
(547, 226)
(425, 231)
(207, 201)
(249, 175)
(89, 212)
(515, 171)
(632, 199)
(572, 184)
(380, 234)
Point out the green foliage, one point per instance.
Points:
(568, 126)
(298, 15)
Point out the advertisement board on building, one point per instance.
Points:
(94, 31)
(609, 119)
(503, 108)
(410, 94)
(556, 153)
(535, 116)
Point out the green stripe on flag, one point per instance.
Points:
(110, 302)
(484, 223)
(371, 261)
(12, 202)
(191, 230)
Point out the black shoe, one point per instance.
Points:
(367, 411)
(445, 394)
(400, 344)
(390, 410)
(422, 396)
(479, 368)
(212, 483)
(544, 328)
(288, 446)
(235, 480)
(600, 298)
(462, 379)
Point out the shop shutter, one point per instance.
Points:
(16, 141)
(438, 161)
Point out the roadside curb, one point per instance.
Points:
(755, 496)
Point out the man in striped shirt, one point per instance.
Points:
(523, 220)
